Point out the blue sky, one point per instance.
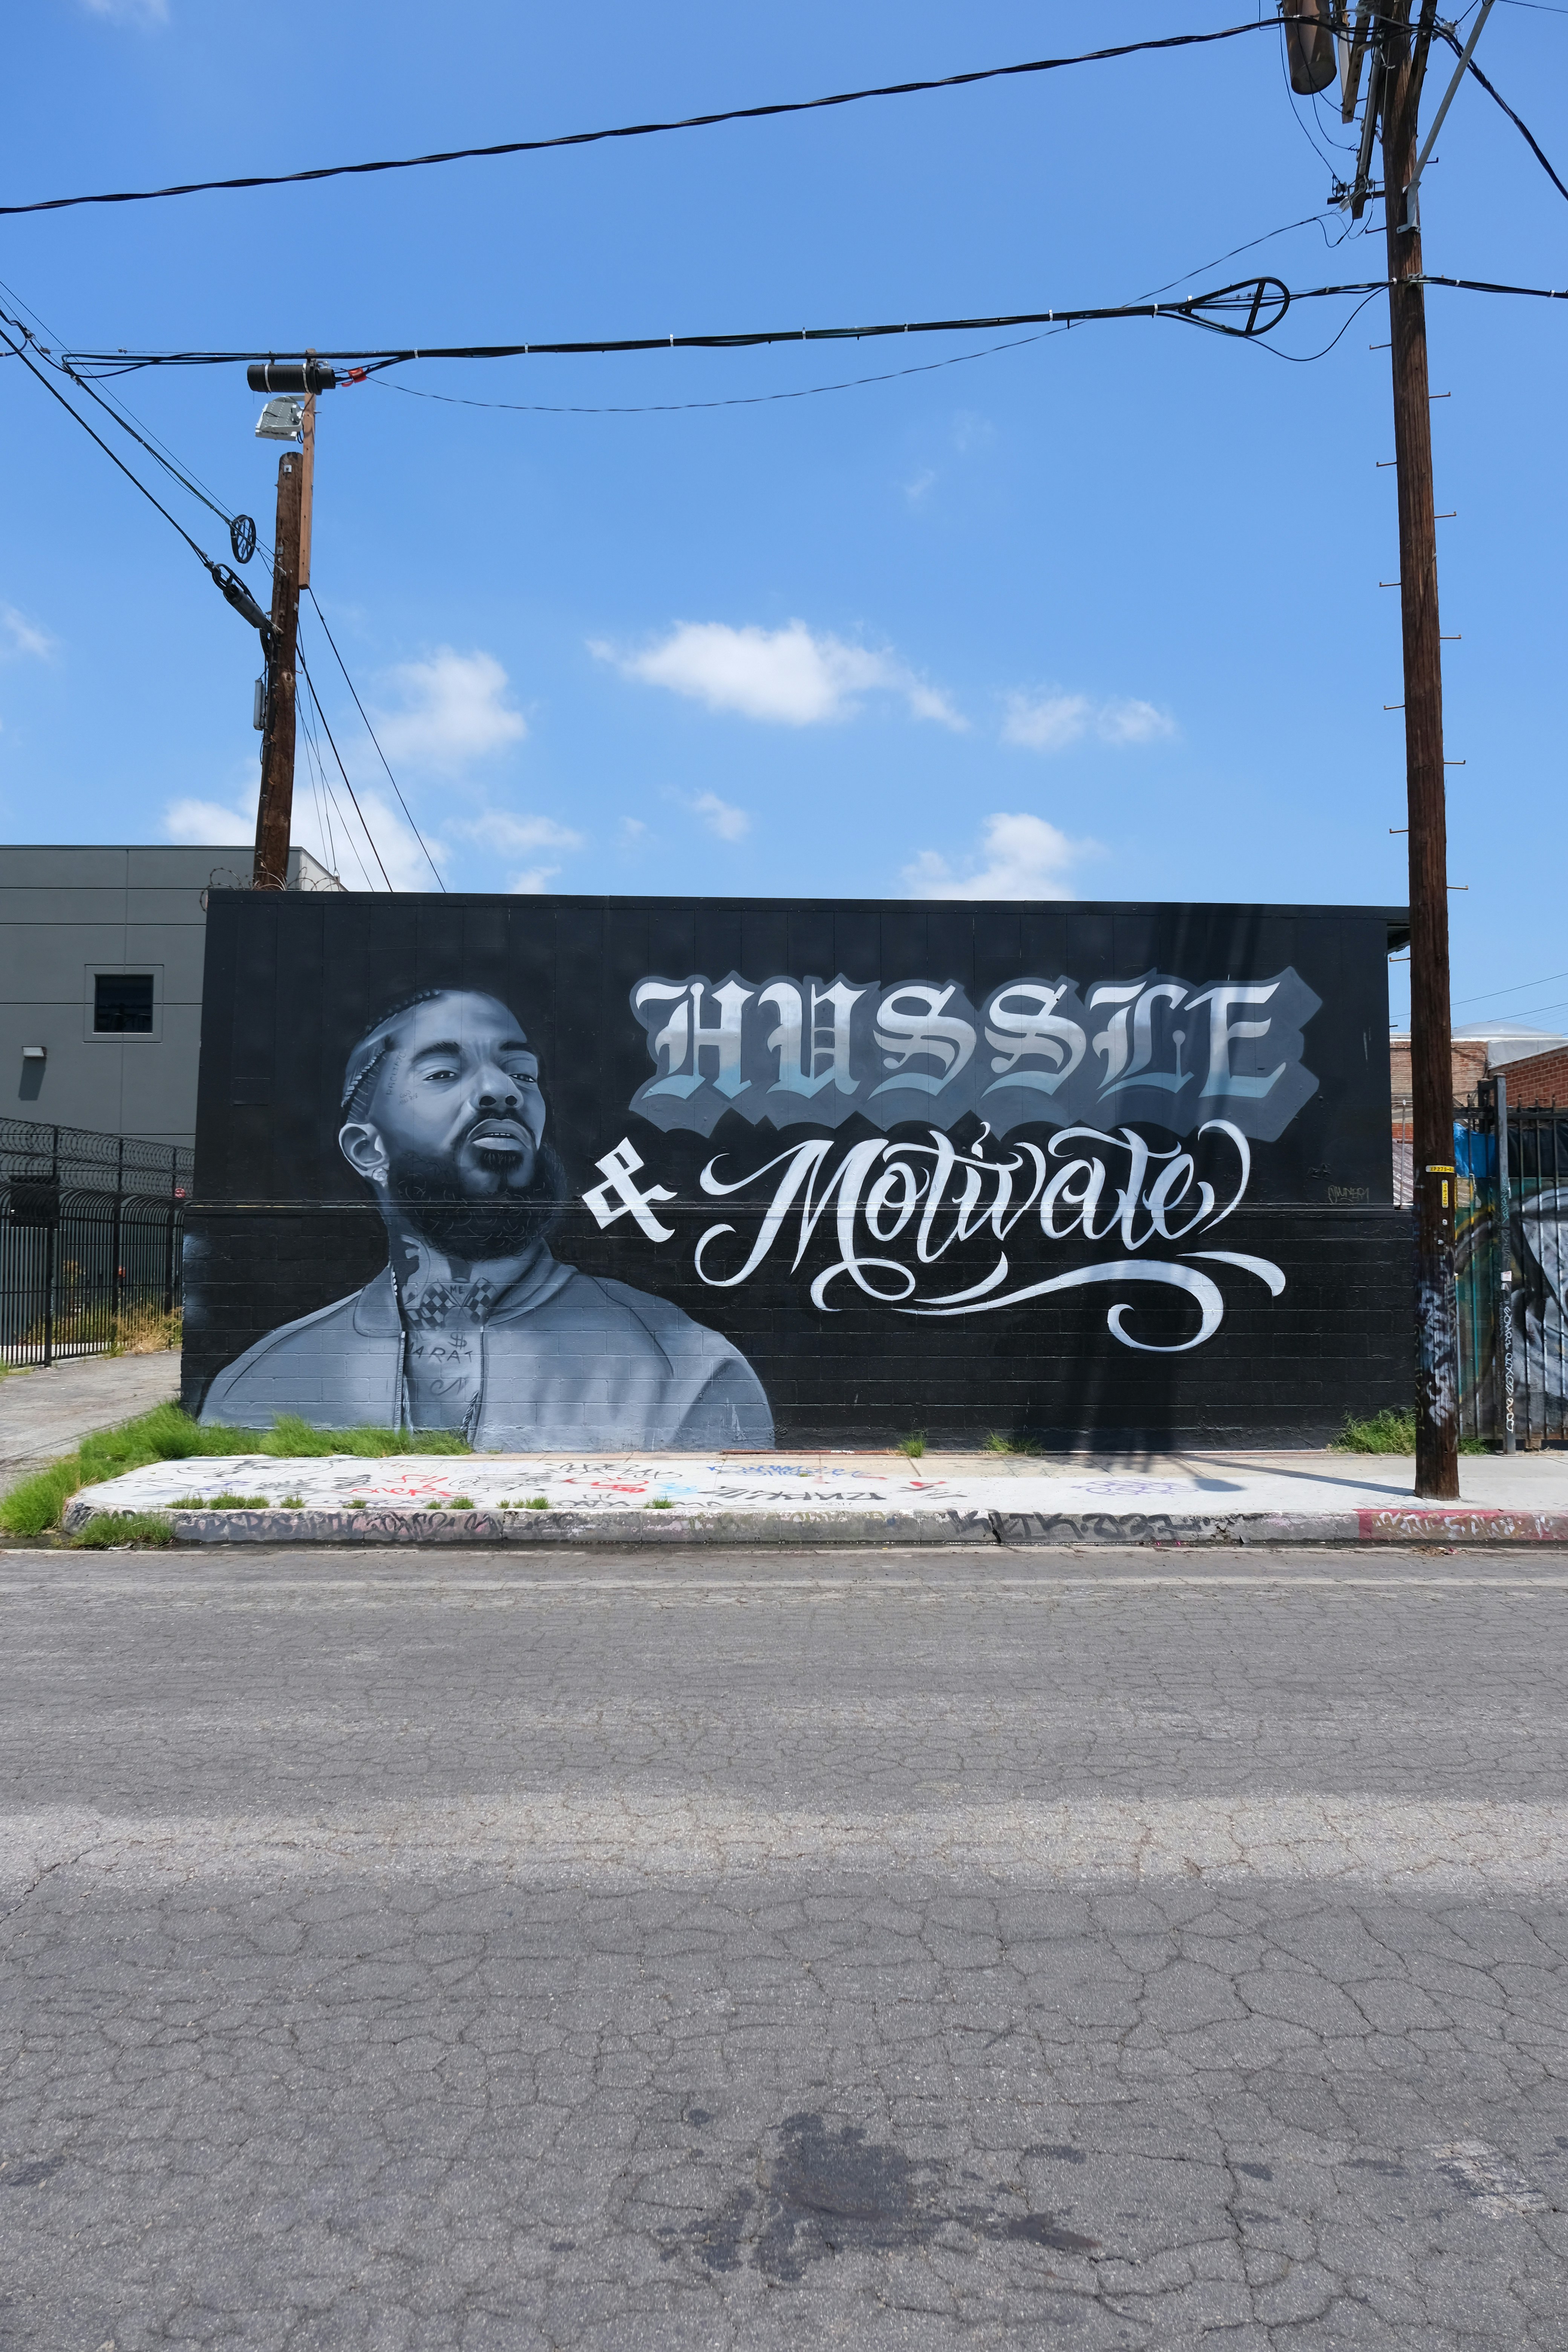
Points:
(1097, 616)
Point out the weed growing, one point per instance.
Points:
(112, 1528)
(167, 1434)
(1389, 1431)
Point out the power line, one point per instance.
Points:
(644, 129)
(179, 475)
(1518, 989)
(813, 390)
(342, 772)
(1262, 302)
(229, 585)
(1308, 359)
(314, 750)
(121, 410)
(19, 352)
(313, 763)
(370, 730)
(168, 464)
(1521, 127)
(1556, 1007)
(739, 400)
(1265, 301)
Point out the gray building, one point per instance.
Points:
(101, 980)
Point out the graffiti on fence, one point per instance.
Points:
(1530, 1286)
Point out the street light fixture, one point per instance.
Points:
(281, 420)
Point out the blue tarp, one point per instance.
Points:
(1475, 1156)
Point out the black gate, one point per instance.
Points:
(90, 1230)
(1512, 1176)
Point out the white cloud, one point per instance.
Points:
(202, 822)
(1049, 723)
(454, 712)
(499, 829)
(633, 830)
(130, 12)
(1019, 858)
(729, 824)
(1134, 723)
(790, 676)
(920, 487)
(404, 862)
(213, 822)
(20, 636)
(512, 836)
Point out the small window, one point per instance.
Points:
(122, 1003)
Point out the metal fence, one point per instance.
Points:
(90, 1229)
(1511, 1169)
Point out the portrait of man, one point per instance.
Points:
(473, 1326)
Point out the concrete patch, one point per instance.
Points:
(532, 1501)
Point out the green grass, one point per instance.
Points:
(1001, 1441)
(167, 1434)
(659, 1503)
(224, 1502)
(537, 1503)
(914, 1445)
(114, 1527)
(1390, 1431)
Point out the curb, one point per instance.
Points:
(1441, 1524)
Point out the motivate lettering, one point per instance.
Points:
(892, 1211)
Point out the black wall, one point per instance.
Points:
(280, 1226)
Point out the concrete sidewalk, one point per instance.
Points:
(815, 1498)
(47, 1410)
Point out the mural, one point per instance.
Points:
(512, 1168)
(474, 1326)
(795, 1052)
(1534, 1295)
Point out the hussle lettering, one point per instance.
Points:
(1037, 1053)
(933, 1198)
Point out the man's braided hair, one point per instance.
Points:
(368, 1055)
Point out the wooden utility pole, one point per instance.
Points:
(1432, 1086)
(275, 810)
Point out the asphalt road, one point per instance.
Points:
(445, 1954)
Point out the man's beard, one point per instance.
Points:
(503, 1225)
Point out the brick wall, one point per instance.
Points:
(1539, 1080)
(1469, 1066)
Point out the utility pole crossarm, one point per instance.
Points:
(1449, 95)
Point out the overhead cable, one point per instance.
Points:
(735, 400)
(645, 129)
(1521, 127)
(814, 390)
(1264, 300)
(19, 352)
(326, 729)
(227, 582)
(1517, 987)
(370, 730)
(125, 417)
